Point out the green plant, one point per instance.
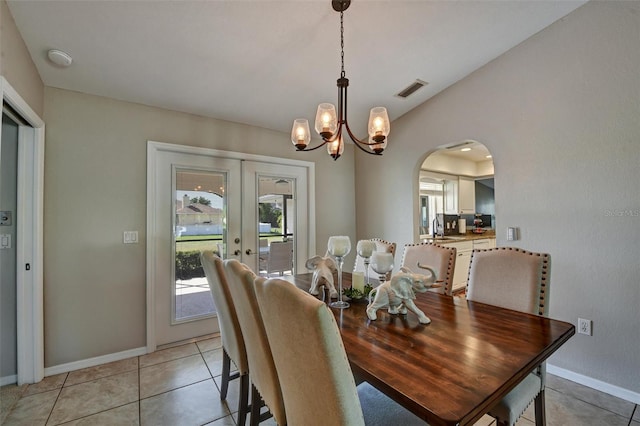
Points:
(354, 293)
(188, 265)
(269, 214)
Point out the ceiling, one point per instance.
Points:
(267, 62)
(467, 150)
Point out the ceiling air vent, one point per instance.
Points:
(418, 84)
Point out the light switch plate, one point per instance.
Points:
(5, 241)
(130, 237)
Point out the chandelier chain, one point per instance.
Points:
(342, 73)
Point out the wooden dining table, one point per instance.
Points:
(453, 370)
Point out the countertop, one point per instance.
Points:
(469, 236)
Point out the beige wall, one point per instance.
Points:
(16, 64)
(561, 115)
(95, 188)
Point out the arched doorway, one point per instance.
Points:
(456, 188)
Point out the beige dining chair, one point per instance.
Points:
(519, 280)
(233, 348)
(265, 386)
(442, 259)
(280, 257)
(381, 245)
(319, 363)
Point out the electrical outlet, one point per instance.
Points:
(584, 326)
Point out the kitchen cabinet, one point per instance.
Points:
(484, 243)
(463, 259)
(466, 195)
(451, 196)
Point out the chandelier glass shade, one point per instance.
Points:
(331, 124)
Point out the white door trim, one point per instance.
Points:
(153, 150)
(29, 239)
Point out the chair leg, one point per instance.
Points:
(243, 403)
(541, 419)
(256, 404)
(226, 369)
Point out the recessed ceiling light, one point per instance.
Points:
(489, 156)
(60, 58)
(465, 149)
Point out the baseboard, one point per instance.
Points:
(92, 362)
(598, 385)
(8, 380)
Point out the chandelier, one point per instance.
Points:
(331, 126)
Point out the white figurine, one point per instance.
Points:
(323, 271)
(399, 293)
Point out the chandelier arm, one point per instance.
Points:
(352, 136)
(359, 143)
(324, 142)
(358, 140)
(366, 151)
(343, 84)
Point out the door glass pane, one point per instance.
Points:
(276, 224)
(199, 224)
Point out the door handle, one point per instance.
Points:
(249, 252)
(237, 253)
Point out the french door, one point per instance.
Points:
(200, 199)
(278, 188)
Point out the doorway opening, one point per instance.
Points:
(456, 191)
(29, 320)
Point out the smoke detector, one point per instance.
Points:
(60, 58)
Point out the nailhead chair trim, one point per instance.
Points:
(447, 277)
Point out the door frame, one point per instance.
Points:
(29, 238)
(153, 150)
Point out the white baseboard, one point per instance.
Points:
(92, 362)
(598, 385)
(8, 380)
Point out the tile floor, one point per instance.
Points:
(180, 386)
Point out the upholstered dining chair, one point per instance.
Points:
(280, 257)
(233, 348)
(442, 259)
(519, 280)
(381, 245)
(319, 363)
(265, 386)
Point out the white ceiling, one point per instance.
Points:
(267, 62)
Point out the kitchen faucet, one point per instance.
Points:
(436, 226)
